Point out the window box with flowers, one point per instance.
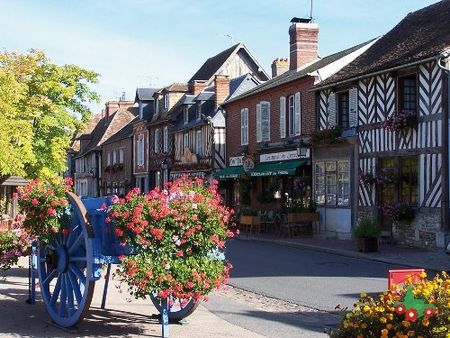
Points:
(401, 213)
(367, 179)
(327, 136)
(400, 121)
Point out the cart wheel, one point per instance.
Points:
(178, 309)
(65, 268)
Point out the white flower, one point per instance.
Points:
(167, 266)
(178, 242)
(194, 206)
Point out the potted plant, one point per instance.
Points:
(367, 232)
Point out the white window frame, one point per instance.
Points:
(186, 140)
(166, 101)
(199, 110)
(244, 126)
(108, 159)
(157, 105)
(297, 114)
(264, 120)
(114, 156)
(332, 183)
(140, 150)
(166, 139)
(121, 155)
(198, 142)
(282, 117)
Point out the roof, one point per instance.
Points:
(242, 84)
(420, 35)
(12, 181)
(214, 63)
(292, 75)
(144, 94)
(122, 134)
(85, 134)
(176, 87)
(108, 126)
(205, 96)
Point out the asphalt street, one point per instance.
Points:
(315, 280)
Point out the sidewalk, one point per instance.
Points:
(429, 259)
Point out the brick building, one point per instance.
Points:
(269, 127)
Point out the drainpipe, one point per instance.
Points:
(445, 139)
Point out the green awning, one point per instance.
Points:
(276, 168)
(229, 172)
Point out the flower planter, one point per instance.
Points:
(367, 244)
(303, 217)
(250, 223)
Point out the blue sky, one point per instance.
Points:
(142, 43)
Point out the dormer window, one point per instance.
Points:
(166, 101)
(156, 105)
(199, 110)
(185, 114)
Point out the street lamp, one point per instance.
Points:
(302, 149)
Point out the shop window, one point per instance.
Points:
(407, 93)
(332, 183)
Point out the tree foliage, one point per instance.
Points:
(42, 105)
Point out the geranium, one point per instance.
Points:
(400, 121)
(45, 204)
(178, 236)
(420, 309)
(14, 243)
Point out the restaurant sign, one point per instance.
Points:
(235, 161)
(283, 156)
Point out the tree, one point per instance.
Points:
(42, 105)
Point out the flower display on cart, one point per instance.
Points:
(44, 202)
(178, 236)
(14, 243)
(419, 309)
(400, 121)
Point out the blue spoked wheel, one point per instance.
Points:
(64, 269)
(178, 308)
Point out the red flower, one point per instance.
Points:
(35, 202)
(428, 312)
(118, 232)
(411, 315)
(400, 309)
(51, 212)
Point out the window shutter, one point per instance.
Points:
(244, 126)
(258, 123)
(265, 121)
(282, 117)
(297, 110)
(353, 107)
(332, 110)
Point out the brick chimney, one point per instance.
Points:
(196, 86)
(279, 66)
(222, 85)
(110, 108)
(304, 42)
(125, 104)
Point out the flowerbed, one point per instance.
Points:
(178, 236)
(420, 309)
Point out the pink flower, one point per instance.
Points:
(51, 212)
(35, 202)
(107, 220)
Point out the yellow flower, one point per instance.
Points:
(425, 322)
(363, 295)
(384, 332)
(366, 308)
(389, 326)
(405, 323)
(423, 274)
(383, 320)
(364, 326)
(410, 333)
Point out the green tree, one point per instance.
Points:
(42, 105)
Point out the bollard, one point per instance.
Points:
(105, 288)
(165, 318)
(32, 268)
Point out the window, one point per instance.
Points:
(114, 156)
(199, 110)
(140, 150)
(157, 105)
(409, 187)
(198, 142)
(157, 140)
(332, 183)
(294, 114)
(158, 179)
(263, 121)
(141, 110)
(166, 139)
(121, 155)
(185, 114)
(166, 101)
(343, 110)
(186, 140)
(244, 126)
(407, 87)
(282, 117)
(108, 159)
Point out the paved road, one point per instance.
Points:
(309, 278)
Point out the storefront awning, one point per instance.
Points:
(229, 172)
(276, 168)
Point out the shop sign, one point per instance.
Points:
(248, 163)
(235, 161)
(283, 156)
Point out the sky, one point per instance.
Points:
(153, 43)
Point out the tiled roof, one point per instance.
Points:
(176, 87)
(420, 35)
(205, 96)
(122, 134)
(108, 126)
(212, 65)
(86, 133)
(144, 94)
(292, 75)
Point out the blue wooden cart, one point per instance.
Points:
(69, 266)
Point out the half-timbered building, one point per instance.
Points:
(389, 111)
